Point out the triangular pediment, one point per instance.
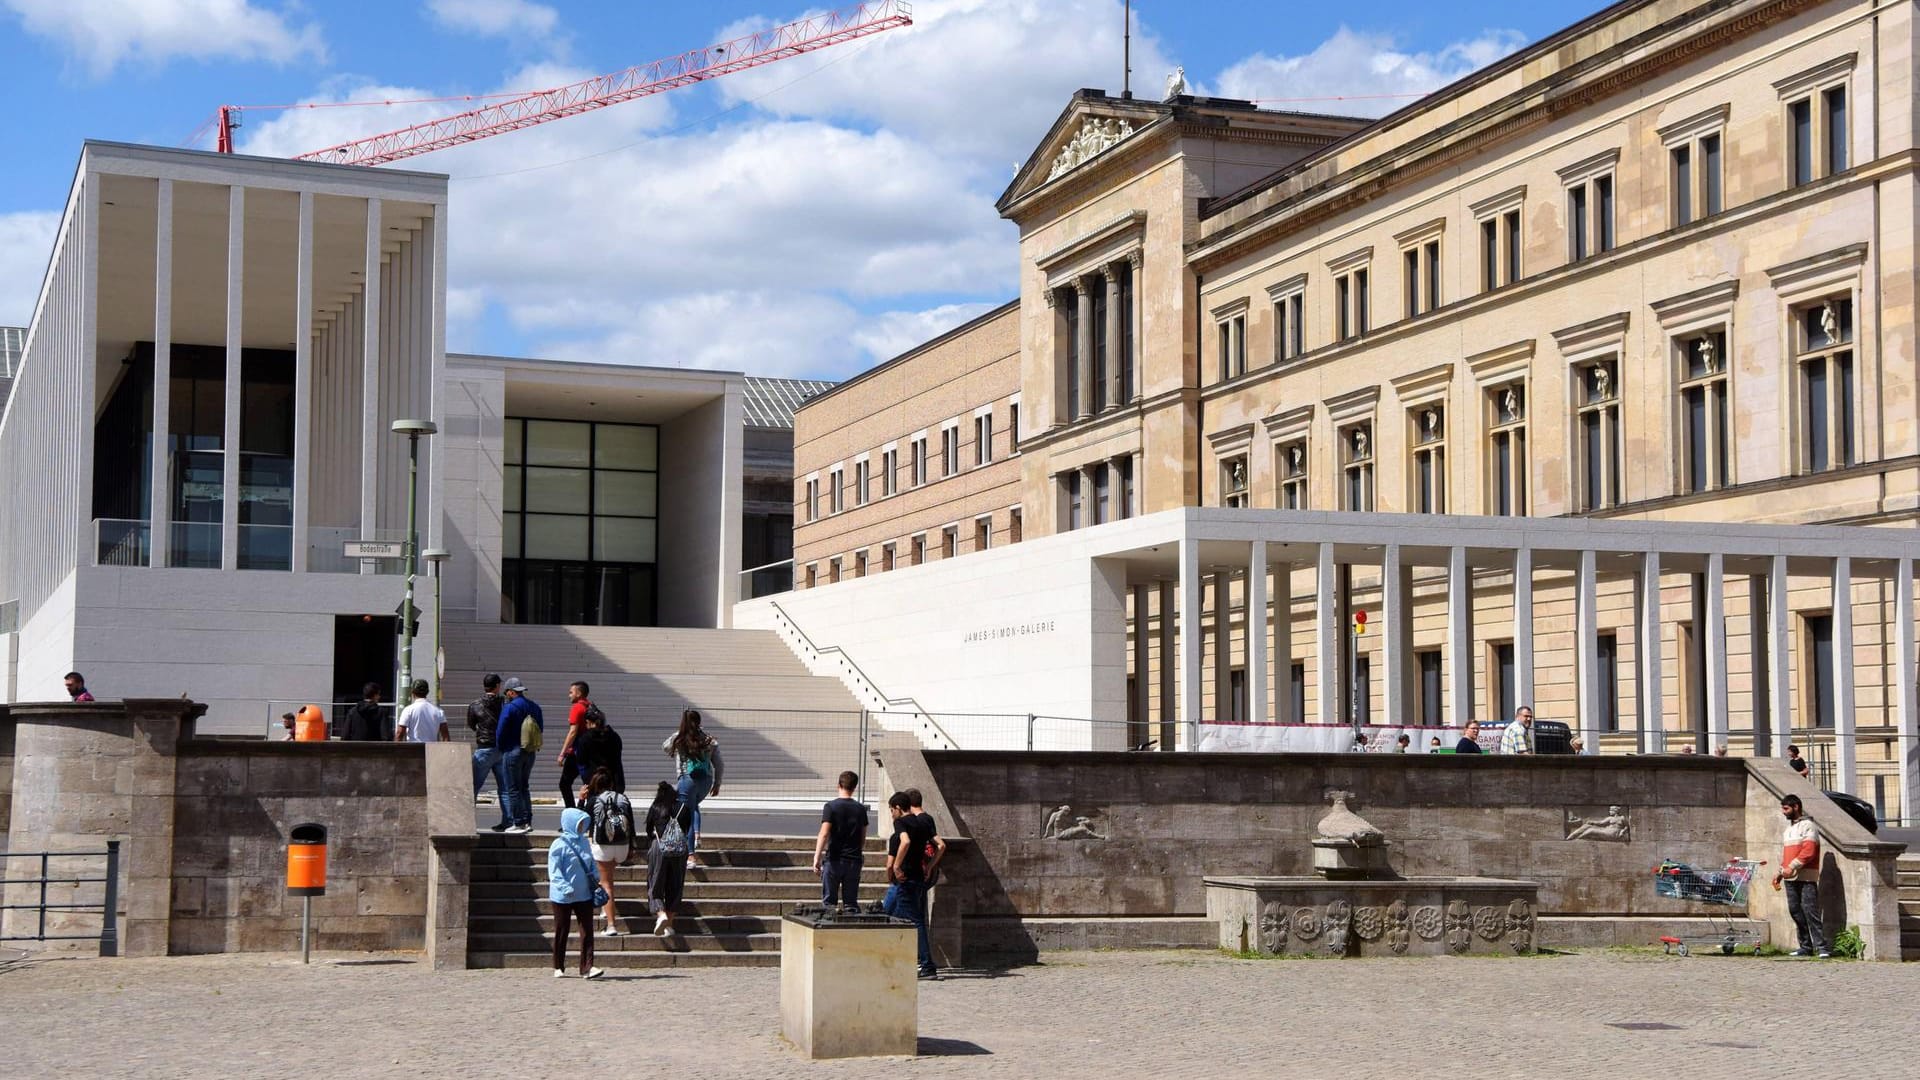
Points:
(1087, 130)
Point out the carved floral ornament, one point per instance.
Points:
(1095, 136)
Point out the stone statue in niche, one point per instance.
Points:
(1614, 826)
(1708, 360)
(1829, 322)
(1064, 824)
(1602, 383)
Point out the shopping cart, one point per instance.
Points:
(1723, 888)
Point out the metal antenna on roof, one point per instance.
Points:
(1126, 52)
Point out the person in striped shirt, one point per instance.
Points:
(1518, 737)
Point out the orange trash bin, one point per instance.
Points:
(310, 724)
(307, 860)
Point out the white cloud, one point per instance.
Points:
(103, 33)
(891, 333)
(980, 77)
(495, 18)
(26, 241)
(1361, 67)
(783, 334)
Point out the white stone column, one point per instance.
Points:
(1716, 651)
(1222, 646)
(230, 431)
(1169, 669)
(1459, 638)
(1393, 640)
(1257, 634)
(1142, 664)
(1136, 309)
(1779, 693)
(1116, 393)
(1326, 619)
(372, 438)
(1586, 641)
(1906, 707)
(1845, 749)
(1522, 628)
(160, 464)
(303, 384)
(1192, 631)
(1653, 730)
(1083, 345)
(1282, 660)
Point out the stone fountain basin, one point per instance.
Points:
(1419, 916)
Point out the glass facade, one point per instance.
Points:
(581, 522)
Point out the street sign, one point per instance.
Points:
(376, 549)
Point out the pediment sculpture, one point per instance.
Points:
(1096, 134)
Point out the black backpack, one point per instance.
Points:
(612, 812)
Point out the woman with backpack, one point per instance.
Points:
(669, 822)
(696, 761)
(572, 891)
(599, 748)
(612, 838)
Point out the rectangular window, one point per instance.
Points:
(1503, 675)
(1422, 277)
(1097, 393)
(1823, 342)
(919, 462)
(1076, 513)
(1500, 246)
(983, 439)
(1597, 423)
(1013, 525)
(1489, 254)
(1590, 217)
(1237, 695)
(813, 575)
(1124, 504)
(813, 499)
(1817, 661)
(889, 472)
(859, 564)
(1291, 461)
(1233, 481)
(1362, 690)
(1297, 692)
(950, 450)
(860, 474)
(1233, 346)
(1511, 224)
(886, 557)
(1352, 299)
(833, 570)
(1800, 120)
(1343, 306)
(1603, 212)
(1068, 300)
(1682, 185)
(1013, 426)
(1577, 220)
(1412, 284)
(1704, 444)
(1356, 444)
(950, 541)
(1507, 450)
(1710, 174)
(917, 550)
(836, 491)
(1433, 274)
(982, 533)
(1428, 482)
(1609, 679)
(1289, 336)
(1833, 105)
(1430, 694)
(1102, 493)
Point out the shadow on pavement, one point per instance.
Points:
(949, 1048)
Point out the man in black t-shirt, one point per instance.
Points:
(838, 850)
(907, 863)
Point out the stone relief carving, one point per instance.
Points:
(1829, 322)
(1427, 922)
(1520, 926)
(1096, 134)
(1064, 824)
(1708, 359)
(1615, 826)
(1339, 924)
(1369, 923)
(1306, 924)
(1459, 926)
(1397, 930)
(1273, 927)
(1490, 922)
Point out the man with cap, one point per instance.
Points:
(519, 732)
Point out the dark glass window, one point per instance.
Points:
(582, 522)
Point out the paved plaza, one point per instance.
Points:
(1105, 1015)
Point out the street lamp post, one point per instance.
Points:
(414, 430)
(437, 558)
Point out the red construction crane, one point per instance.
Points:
(767, 46)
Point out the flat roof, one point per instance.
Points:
(1011, 305)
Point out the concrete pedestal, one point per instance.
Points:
(849, 989)
(1423, 916)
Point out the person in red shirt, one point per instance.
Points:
(77, 687)
(576, 723)
(1800, 870)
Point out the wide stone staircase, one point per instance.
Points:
(730, 917)
(784, 732)
(1908, 869)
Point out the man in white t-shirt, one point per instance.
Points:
(421, 721)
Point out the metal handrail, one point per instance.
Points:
(108, 907)
(887, 702)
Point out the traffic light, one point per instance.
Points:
(1359, 623)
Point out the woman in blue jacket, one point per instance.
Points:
(571, 880)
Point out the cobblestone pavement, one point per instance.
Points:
(1106, 1015)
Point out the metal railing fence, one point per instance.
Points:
(35, 889)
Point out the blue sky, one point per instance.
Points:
(808, 218)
